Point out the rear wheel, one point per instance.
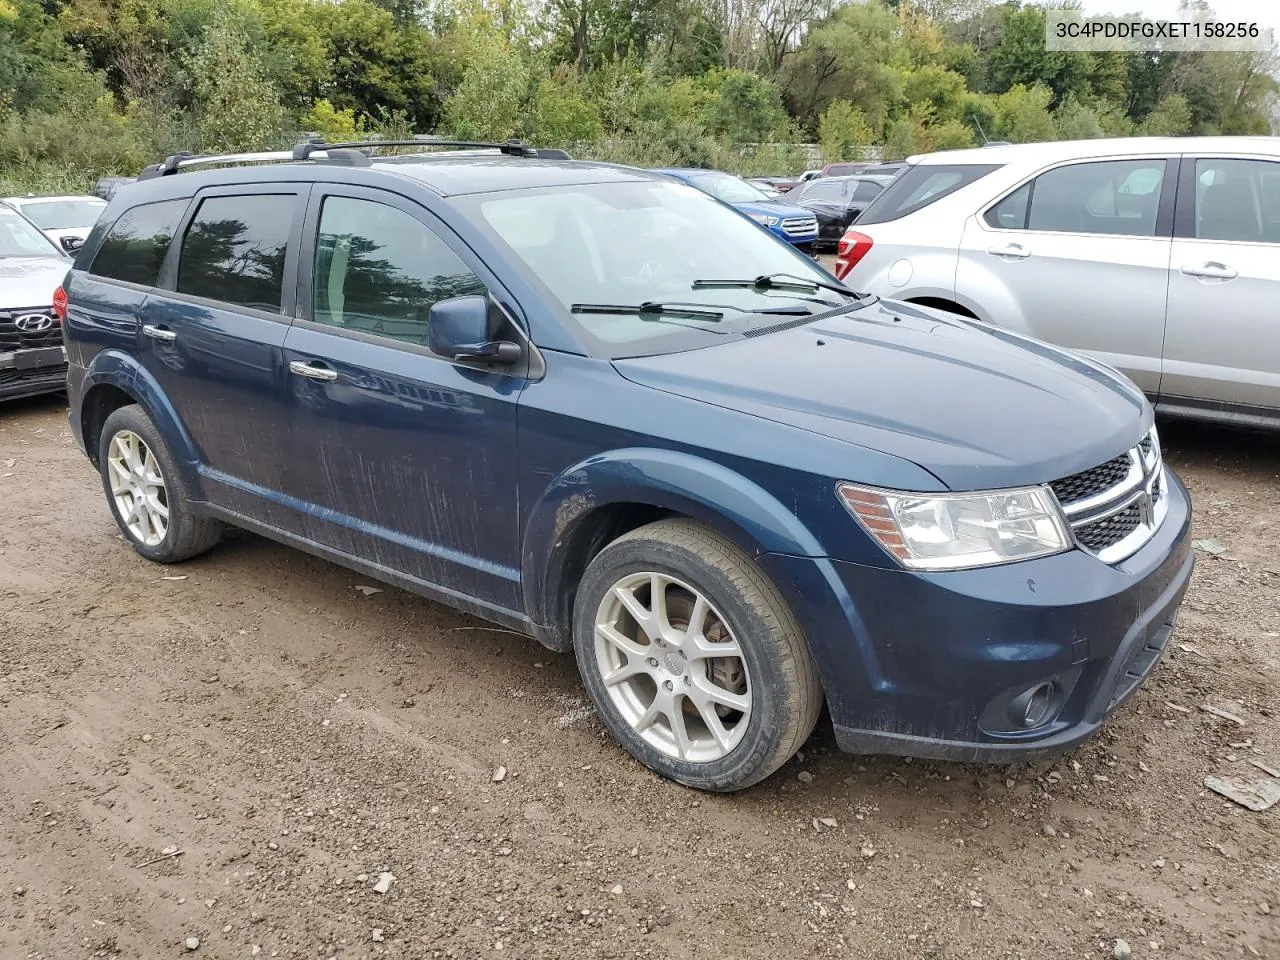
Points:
(693, 658)
(145, 491)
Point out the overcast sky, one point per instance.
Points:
(1265, 13)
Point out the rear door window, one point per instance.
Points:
(1117, 197)
(135, 246)
(234, 250)
(866, 190)
(824, 189)
(921, 185)
(1238, 200)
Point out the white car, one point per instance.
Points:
(64, 220)
(1157, 256)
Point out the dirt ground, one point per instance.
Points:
(295, 739)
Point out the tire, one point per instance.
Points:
(764, 694)
(185, 534)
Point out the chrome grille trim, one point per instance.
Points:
(1095, 518)
(799, 226)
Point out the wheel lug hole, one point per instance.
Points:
(683, 655)
(688, 681)
(667, 685)
(653, 661)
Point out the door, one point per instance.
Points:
(403, 458)
(212, 335)
(1223, 339)
(1079, 257)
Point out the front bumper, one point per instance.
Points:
(25, 373)
(929, 665)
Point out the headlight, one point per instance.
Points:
(763, 220)
(956, 531)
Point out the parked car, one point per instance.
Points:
(64, 220)
(796, 225)
(597, 407)
(836, 202)
(32, 359)
(781, 184)
(1156, 256)
(106, 187)
(765, 187)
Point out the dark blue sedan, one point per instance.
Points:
(599, 408)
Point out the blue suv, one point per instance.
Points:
(599, 408)
(798, 226)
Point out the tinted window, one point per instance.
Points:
(135, 246)
(234, 250)
(378, 270)
(867, 190)
(1238, 200)
(824, 190)
(1110, 197)
(920, 185)
(1011, 212)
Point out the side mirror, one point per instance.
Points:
(458, 328)
(71, 244)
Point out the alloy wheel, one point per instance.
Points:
(672, 667)
(137, 488)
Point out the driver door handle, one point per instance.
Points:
(1011, 251)
(163, 334)
(1212, 269)
(313, 370)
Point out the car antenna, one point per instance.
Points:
(982, 133)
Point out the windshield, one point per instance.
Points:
(63, 214)
(729, 189)
(18, 238)
(648, 241)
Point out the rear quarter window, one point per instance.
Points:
(136, 244)
(921, 185)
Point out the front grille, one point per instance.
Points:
(800, 226)
(1109, 531)
(13, 338)
(1090, 483)
(1116, 507)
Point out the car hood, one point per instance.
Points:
(773, 209)
(978, 407)
(30, 281)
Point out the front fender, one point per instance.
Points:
(696, 487)
(118, 369)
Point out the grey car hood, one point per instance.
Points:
(30, 281)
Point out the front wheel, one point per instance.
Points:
(693, 658)
(145, 491)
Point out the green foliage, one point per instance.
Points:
(1022, 115)
(1170, 118)
(844, 132)
(331, 123)
(237, 106)
(746, 109)
(104, 86)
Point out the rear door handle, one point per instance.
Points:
(163, 334)
(1014, 251)
(312, 370)
(1213, 269)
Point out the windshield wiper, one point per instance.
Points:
(712, 312)
(777, 281)
(649, 309)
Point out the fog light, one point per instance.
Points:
(1036, 704)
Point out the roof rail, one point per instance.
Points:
(512, 148)
(346, 154)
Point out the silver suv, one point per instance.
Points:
(1158, 256)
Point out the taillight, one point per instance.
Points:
(852, 248)
(60, 303)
